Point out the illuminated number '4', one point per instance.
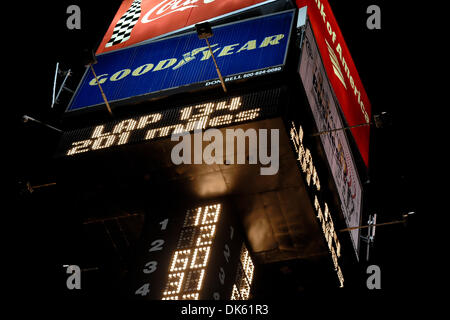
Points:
(144, 290)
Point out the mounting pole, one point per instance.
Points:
(90, 59)
(66, 75)
(26, 118)
(101, 90)
(381, 120)
(54, 85)
(204, 31)
(217, 67)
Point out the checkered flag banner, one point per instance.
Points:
(122, 30)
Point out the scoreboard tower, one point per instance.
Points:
(215, 228)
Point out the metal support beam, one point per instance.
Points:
(204, 31)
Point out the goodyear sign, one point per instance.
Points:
(242, 50)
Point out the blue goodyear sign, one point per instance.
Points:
(244, 49)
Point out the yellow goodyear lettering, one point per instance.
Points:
(187, 57)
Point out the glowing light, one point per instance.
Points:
(174, 283)
(206, 235)
(324, 216)
(200, 280)
(180, 263)
(247, 115)
(103, 142)
(198, 116)
(235, 293)
(200, 258)
(190, 296)
(304, 157)
(211, 214)
(221, 120)
(192, 217)
(244, 278)
(190, 260)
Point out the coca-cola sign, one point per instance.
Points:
(140, 20)
(166, 7)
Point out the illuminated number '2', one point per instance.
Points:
(157, 245)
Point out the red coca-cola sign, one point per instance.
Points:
(140, 20)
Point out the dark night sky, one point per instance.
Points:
(385, 64)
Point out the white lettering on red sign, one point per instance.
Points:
(167, 7)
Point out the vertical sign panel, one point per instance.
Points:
(336, 146)
(341, 71)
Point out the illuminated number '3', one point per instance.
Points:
(150, 267)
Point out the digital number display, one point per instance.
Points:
(196, 255)
(161, 124)
(189, 262)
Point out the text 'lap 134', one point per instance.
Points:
(198, 254)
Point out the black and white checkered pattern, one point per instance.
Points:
(123, 28)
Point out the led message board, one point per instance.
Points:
(242, 50)
(161, 124)
(139, 20)
(341, 71)
(195, 256)
(311, 176)
(336, 146)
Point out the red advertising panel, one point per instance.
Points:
(139, 20)
(341, 71)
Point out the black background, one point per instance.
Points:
(391, 63)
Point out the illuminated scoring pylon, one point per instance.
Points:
(190, 260)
